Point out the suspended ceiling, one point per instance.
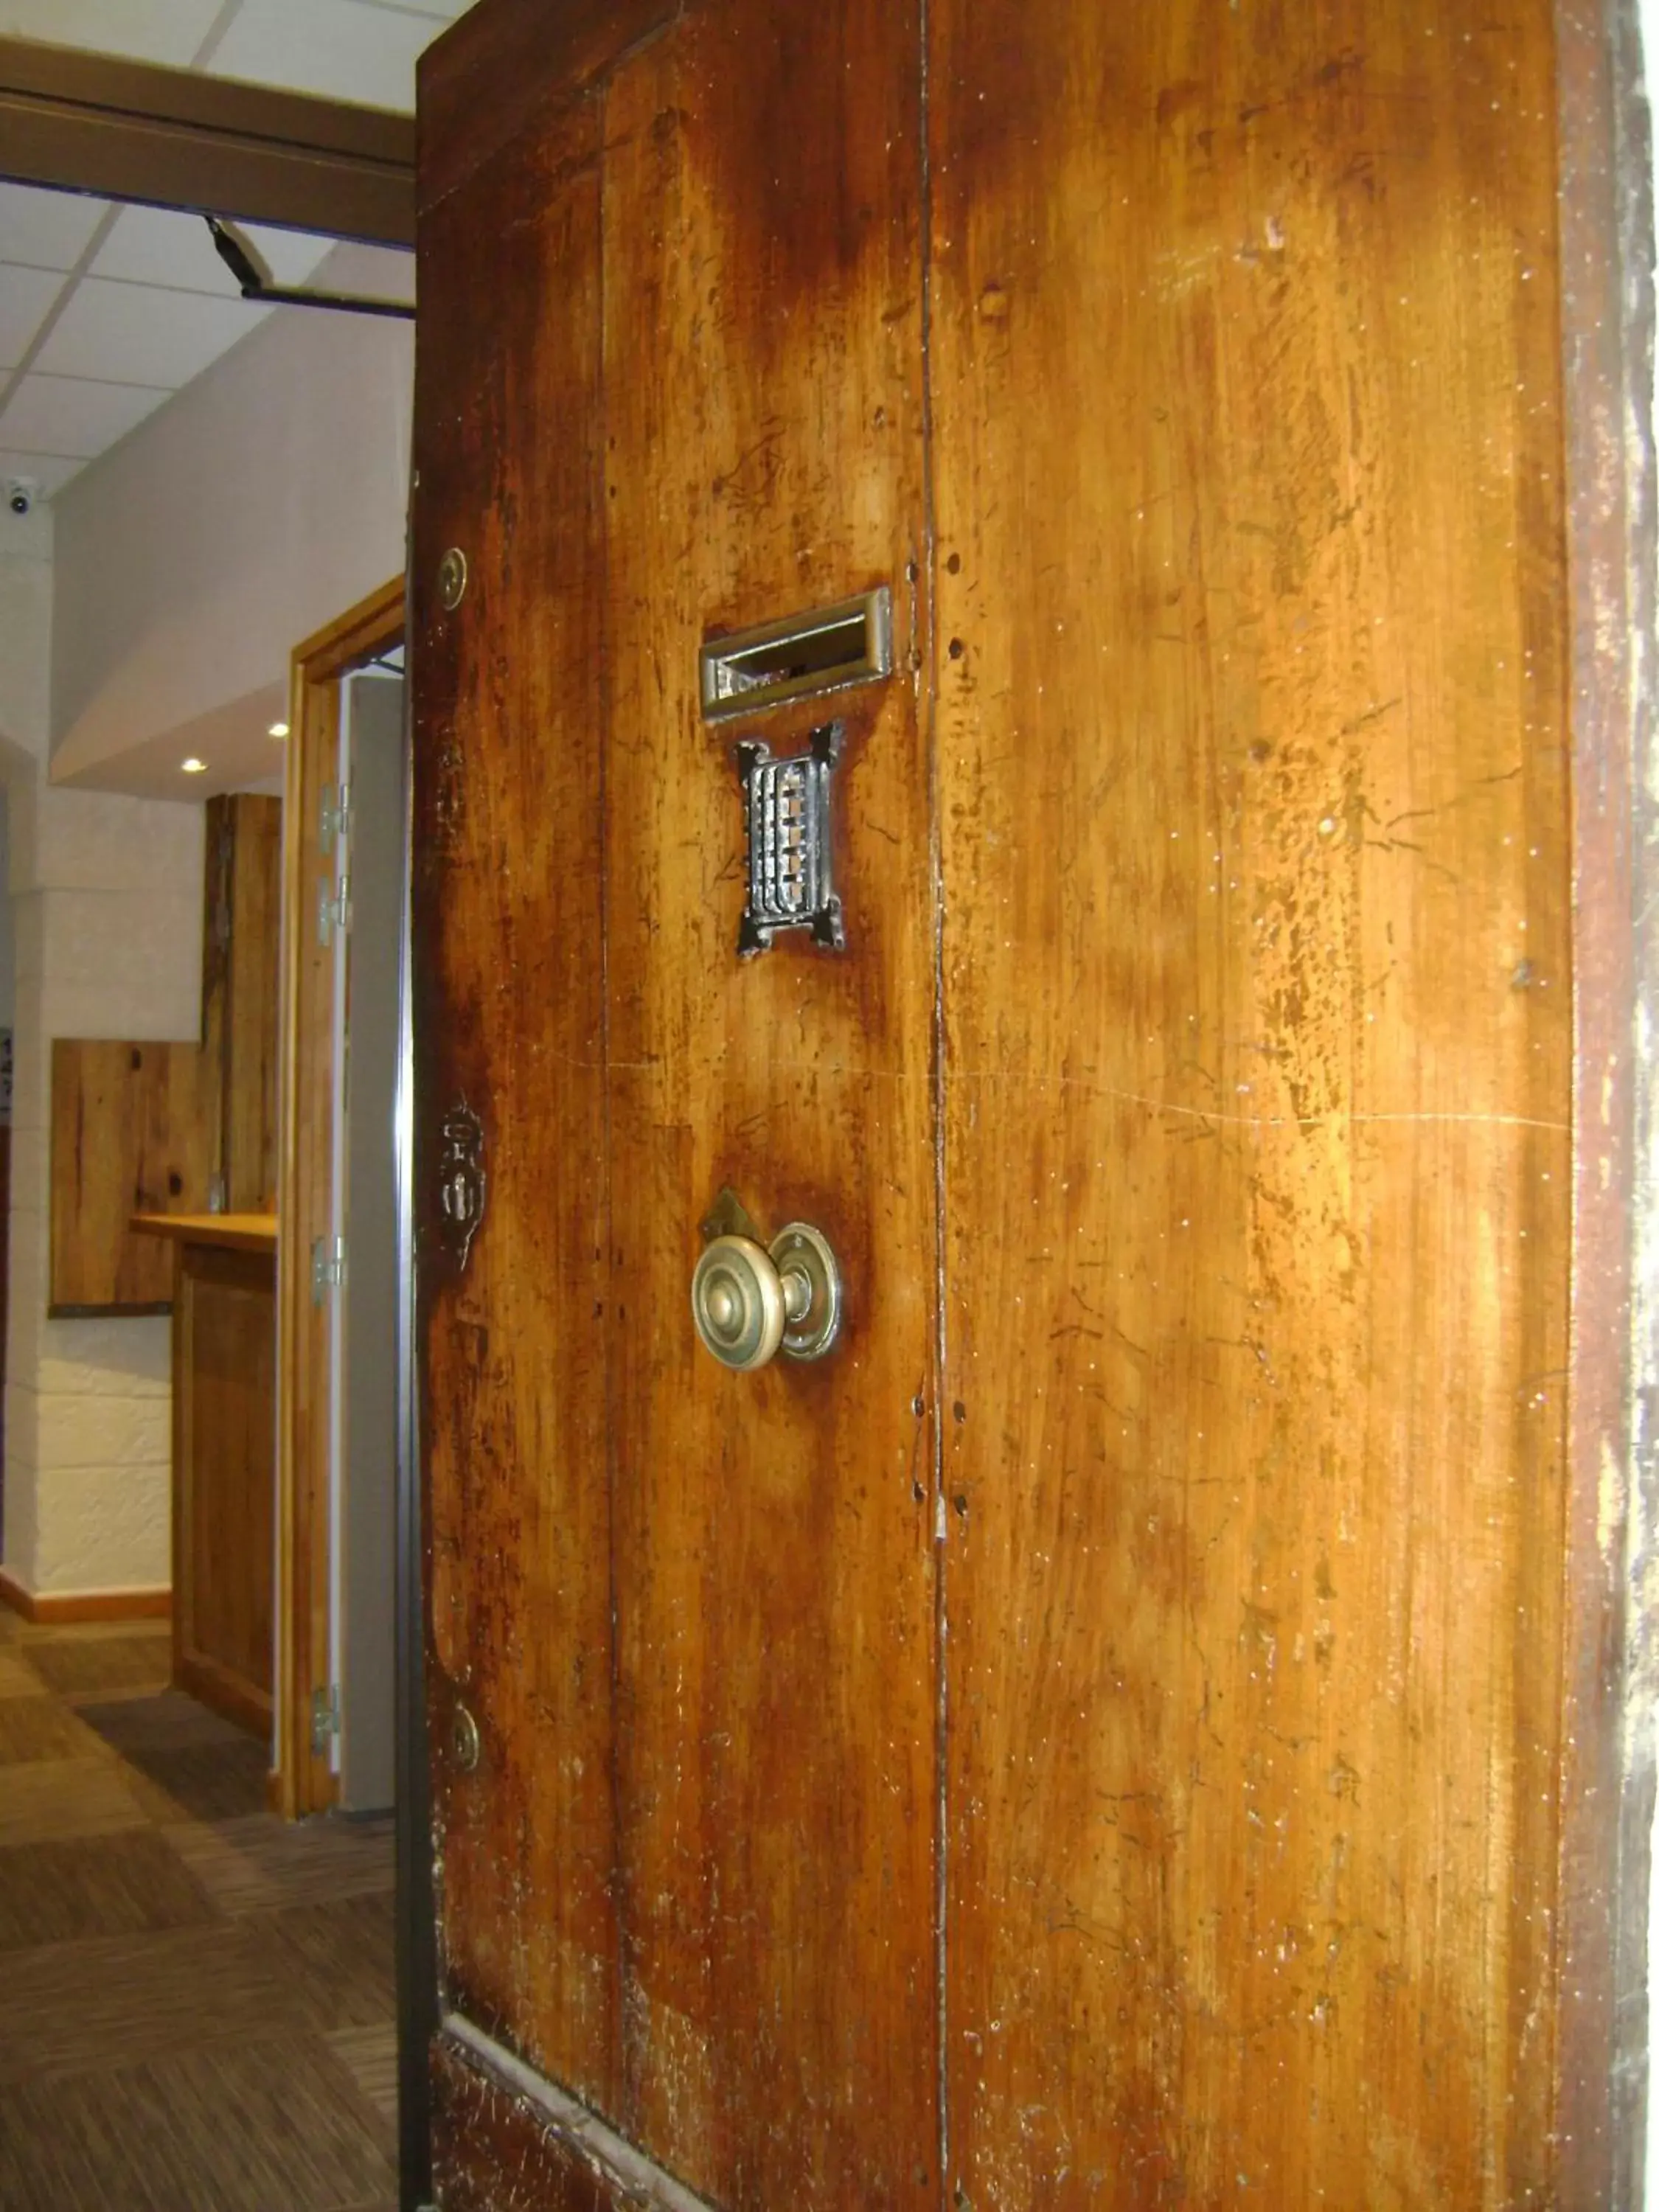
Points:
(106, 311)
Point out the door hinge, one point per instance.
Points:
(334, 818)
(334, 909)
(328, 1266)
(325, 1717)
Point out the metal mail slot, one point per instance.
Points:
(824, 651)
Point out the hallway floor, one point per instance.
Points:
(197, 2003)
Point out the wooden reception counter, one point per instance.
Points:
(224, 1457)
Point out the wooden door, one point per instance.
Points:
(670, 375)
(1101, 1738)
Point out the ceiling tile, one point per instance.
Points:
(49, 470)
(46, 230)
(140, 30)
(157, 246)
(69, 416)
(338, 47)
(142, 335)
(25, 296)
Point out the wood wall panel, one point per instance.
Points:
(510, 1025)
(773, 1554)
(224, 1376)
(250, 1102)
(1257, 989)
(218, 863)
(241, 974)
(132, 1130)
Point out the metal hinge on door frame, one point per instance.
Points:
(325, 1717)
(328, 1266)
(334, 815)
(334, 909)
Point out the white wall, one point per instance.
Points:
(105, 900)
(263, 501)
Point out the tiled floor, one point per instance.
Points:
(196, 2001)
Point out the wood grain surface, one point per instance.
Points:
(494, 2152)
(304, 1411)
(735, 1856)
(132, 1129)
(241, 968)
(1257, 988)
(1130, 1757)
(510, 1026)
(224, 1390)
(504, 72)
(218, 859)
(251, 1024)
(232, 1232)
(772, 1551)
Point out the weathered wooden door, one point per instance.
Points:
(1098, 1738)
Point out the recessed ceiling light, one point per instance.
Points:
(278, 730)
(192, 766)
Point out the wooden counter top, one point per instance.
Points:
(236, 1232)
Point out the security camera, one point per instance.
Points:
(21, 492)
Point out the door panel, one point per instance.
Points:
(510, 1027)
(481, 2132)
(701, 1900)
(772, 1531)
(1256, 982)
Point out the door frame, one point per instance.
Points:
(1604, 166)
(303, 1781)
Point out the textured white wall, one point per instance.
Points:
(106, 899)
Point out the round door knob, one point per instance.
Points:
(748, 1304)
(736, 1301)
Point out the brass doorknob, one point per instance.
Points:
(750, 1303)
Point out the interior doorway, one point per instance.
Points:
(337, 1541)
(350, 1716)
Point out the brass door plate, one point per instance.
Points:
(799, 658)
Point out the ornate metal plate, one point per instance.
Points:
(786, 817)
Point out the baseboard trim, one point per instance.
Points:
(54, 1608)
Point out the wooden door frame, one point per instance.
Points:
(303, 1781)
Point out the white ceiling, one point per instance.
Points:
(106, 311)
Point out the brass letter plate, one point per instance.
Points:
(824, 651)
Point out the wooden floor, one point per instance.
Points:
(196, 2001)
